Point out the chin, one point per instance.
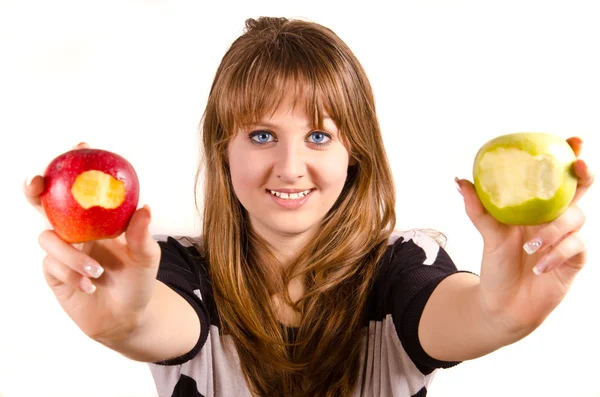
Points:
(287, 231)
(291, 227)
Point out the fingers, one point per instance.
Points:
(585, 179)
(65, 264)
(32, 190)
(85, 247)
(575, 142)
(57, 273)
(140, 243)
(584, 175)
(481, 219)
(552, 233)
(68, 255)
(571, 249)
(559, 242)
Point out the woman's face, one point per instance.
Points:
(280, 154)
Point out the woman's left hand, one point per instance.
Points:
(527, 270)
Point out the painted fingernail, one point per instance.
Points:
(458, 186)
(540, 267)
(532, 245)
(87, 286)
(92, 269)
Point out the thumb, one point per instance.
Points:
(481, 219)
(140, 243)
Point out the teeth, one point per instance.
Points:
(291, 196)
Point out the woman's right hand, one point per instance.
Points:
(104, 285)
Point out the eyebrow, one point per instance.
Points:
(274, 126)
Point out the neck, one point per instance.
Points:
(285, 250)
(285, 247)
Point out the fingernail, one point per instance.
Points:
(540, 267)
(87, 286)
(532, 245)
(28, 180)
(458, 186)
(92, 269)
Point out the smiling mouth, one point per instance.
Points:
(290, 196)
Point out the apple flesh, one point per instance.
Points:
(525, 178)
(89, 194)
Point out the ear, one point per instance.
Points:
(352, 161)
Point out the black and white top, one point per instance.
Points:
(393, 363)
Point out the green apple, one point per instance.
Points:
(525, 178)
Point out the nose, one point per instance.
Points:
(290, 164)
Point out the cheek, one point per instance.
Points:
(336, 166)
(245, 173)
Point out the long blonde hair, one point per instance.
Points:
(338, 265)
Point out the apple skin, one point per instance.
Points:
(72, 222)
(534, 211)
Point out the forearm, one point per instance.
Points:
(168, 328)
(455, 325)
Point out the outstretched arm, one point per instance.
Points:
(525, 274)
(109, 289)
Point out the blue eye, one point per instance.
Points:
(261, 137)
(321, 135)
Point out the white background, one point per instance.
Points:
(133, 77)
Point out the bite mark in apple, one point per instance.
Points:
(534, 176)
(525, 178)
(89, 194)
(95, 188)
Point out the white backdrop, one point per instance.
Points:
(133, 77)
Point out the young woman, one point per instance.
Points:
(299, 285)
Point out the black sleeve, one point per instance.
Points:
(180, 269)
(417, 267)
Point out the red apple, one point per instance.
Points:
(89, 194)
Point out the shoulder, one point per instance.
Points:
(416, 241)
(415, 260)
(177, 248)
(193, 245)
(415, 247)
(414, 265)
(181, 256)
